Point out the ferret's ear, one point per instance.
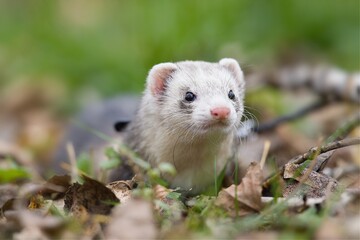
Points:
(158, 76)
(233, 66)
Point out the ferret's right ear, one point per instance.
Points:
(233, 66)
(158, 75)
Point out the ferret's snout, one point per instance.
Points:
(220, 113)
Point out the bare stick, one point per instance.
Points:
(265, 153)
(328, 147)
(312, 153)
(267, 126)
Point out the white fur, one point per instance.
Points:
(163, 132)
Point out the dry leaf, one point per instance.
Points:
(315, 184)
(132, 220)
(93, 195)
(226, 201)
(122, 189)
(247, 194)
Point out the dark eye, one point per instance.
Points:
(231, 95)
(190, 97)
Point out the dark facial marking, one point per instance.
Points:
(185, 107)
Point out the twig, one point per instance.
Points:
(310, 154)
(267, 126)
(265, 153)
(328, 147)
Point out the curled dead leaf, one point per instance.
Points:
(92, 195)
(245, 198)
(122, 189)
(308, 181)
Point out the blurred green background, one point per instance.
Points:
(107, 47)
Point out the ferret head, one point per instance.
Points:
(197, 97)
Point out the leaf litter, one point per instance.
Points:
(301, 200)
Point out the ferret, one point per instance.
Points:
(188, 117)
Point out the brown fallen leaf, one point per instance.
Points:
(245, 198)
(122, 189)
(92, 195)
(309, 182)
(132, 220)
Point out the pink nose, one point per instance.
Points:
(220, 113)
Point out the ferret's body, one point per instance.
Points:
(188, 116)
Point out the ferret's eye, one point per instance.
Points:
(190, 97)
(231, 95)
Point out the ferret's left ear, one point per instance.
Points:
(233, 66)
(158, 76)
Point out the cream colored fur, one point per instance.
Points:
(169, 129)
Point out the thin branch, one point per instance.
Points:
(265, 153)
(328, 147)
(267, 126)
(315, 151)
